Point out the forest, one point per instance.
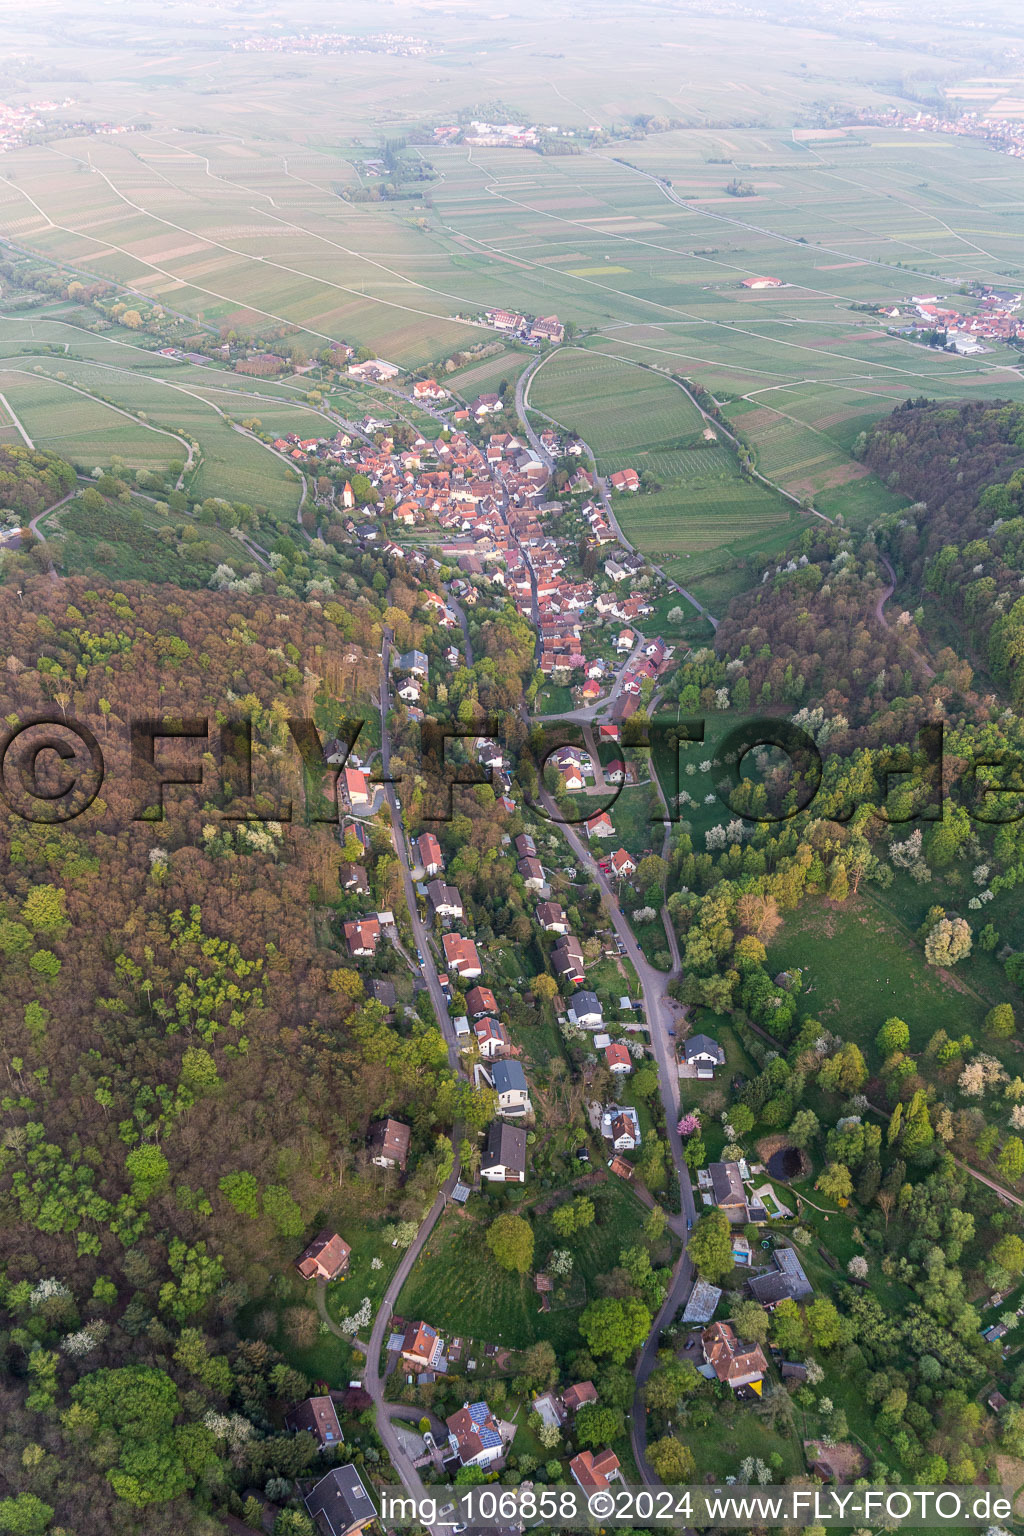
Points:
(962, 540)
(31, 480)
(157, 973)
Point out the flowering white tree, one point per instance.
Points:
(47, 1290)
(903, 855)
(82, 1343)
(560, 1262)
(980, 1074)
(357, 1320)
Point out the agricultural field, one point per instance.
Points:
(612, 406)
(694, 528)
(85, 431)
(10, 436)
(58, 405)
(485, 376)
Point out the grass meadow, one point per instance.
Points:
(457, 1286)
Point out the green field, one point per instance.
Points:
(860, 968)
(614, 407)
(458, 1288)
(691, 530)
(65, 415)
(85, 431)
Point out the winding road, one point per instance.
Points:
(373, 1382)
(662, 1013)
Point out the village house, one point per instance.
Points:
(567, 960)
(445, 900)
(786, 1281)
(504, 1159)
(585, 1010)
(357, 791)
(474, 1435)
(600, 825)
(511, 1087)
(428, 389)
(325, 1258)
(547, 328)
(460, 955)
(428, 852)
(617, 1059)
(353, 877)
(552, 918)
(729, 1195)
(733, 1362)
(317, 1417)
(389, 1143)
(375, 371)
(362, 937)
(624, 480)
(526, 848)
(415, 662)
(480, 1000)
(593, 1471)
(532, 873)
(382, 991)
(623, 864)
(702, 1055)
(339, 1504)
(579, 1394)
(620, 1125)
(504, 319)
(492, 1038)
(422, 1346)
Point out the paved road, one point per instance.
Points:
(460, 613)
(12, 413)
(400, 1460)
(662, 1014)
(419, 929)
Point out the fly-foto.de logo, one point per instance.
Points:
(53, 766)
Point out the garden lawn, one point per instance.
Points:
(719, 1447)
(457, 1287)
(326, 1358)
